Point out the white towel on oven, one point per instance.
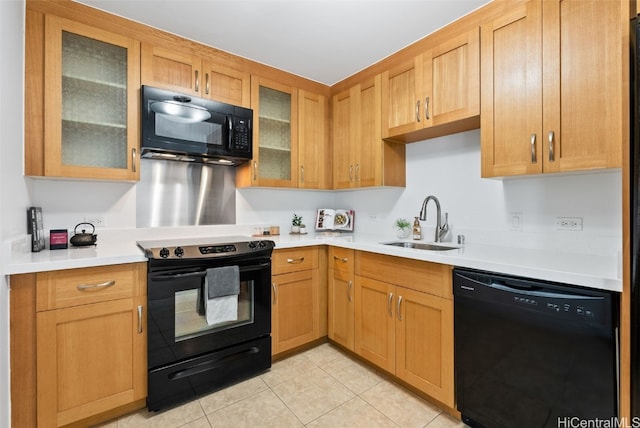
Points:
(222, 286)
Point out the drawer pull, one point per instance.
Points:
(139, 319)
(102, 285)
(296, 260)
(341, 259)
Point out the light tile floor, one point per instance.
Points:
(322, 387)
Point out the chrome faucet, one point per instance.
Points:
(441, 230)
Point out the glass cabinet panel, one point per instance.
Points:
(94, 102)
(91, 102)
(275, 134)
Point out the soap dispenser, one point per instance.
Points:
(417, 229)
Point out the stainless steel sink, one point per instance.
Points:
(420, 246)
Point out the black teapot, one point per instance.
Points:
(83, 239)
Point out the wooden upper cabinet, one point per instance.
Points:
(290, 138)
(511, 120)
(436, 93)
(185, 73)
(554, 92)
(226, 84)
(586, 84)
(313, 166)
(360, 157)
(171, 70)
(89, 101)
(275, 136)
(344, 138)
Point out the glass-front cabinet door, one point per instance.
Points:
(275, 150)
(92, 82)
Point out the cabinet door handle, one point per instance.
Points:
(341, 259)
(418, 111)
(350, 173)
(274, 287)
(296, 260)
(399, 308)
(389, 307)
(207, 86)
(139, 319)
(551, 144)
(426, 109)
(357, 172)
(100, 286)
(255, 170)
(534, 158)
(197, 85)
(349, 290)
(302, 174)
(134, 158)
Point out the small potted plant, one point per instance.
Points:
(403, 228)
(296, 222)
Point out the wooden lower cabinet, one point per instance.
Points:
(83, 332)
(90, 360)
(424, 343)
(341, 307)
(375, 323)
(296, 302)
(403, 330)
(294, 320)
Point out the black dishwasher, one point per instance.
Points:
(533, 354)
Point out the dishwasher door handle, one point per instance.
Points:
(529, 290)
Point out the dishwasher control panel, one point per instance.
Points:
(560, 301)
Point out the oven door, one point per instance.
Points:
(177, 324)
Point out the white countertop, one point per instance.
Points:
(588, 270)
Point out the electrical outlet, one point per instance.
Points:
(515, 223)
(373, 218)
(96, 220)
(569, 223)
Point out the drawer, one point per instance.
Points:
(426, 277)
(294, 260)
(341, 259)
(73, 287)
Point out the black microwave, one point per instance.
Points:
(186, 128)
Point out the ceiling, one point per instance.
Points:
(322, 40)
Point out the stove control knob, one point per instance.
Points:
(179, 252)
(252, 245)
(164, 253)
(262, 244)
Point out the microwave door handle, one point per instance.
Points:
(231, 132)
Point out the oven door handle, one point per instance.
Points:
(167, 276)
(211, 365)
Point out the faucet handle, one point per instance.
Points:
(444, 229)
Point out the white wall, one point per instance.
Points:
(449, 168)
(13, 192)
